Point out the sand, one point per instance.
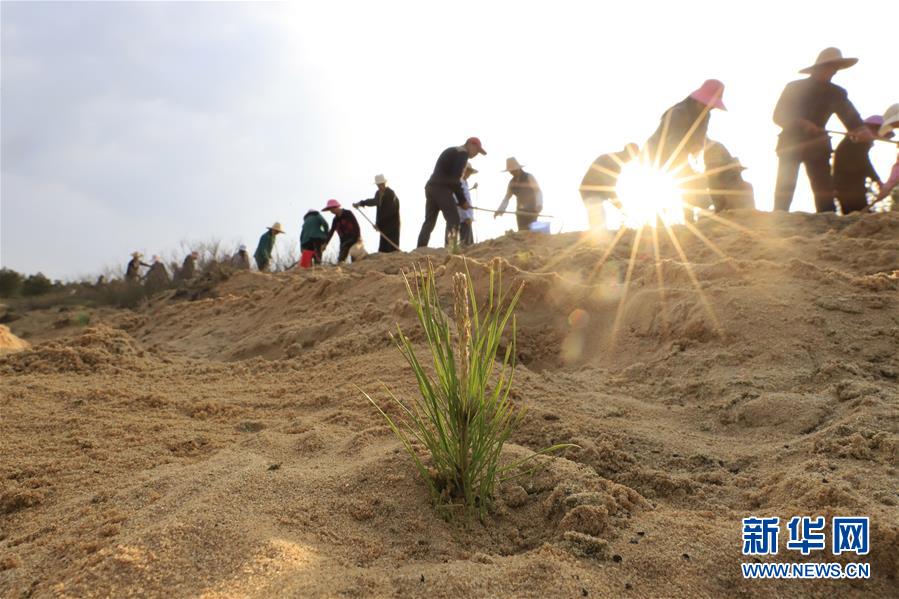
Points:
(217, 445)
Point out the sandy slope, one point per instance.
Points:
(219, 447)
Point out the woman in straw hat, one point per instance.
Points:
(132, 271)
(802, 113)
(466, 215)
(528, 196)
(263, 253)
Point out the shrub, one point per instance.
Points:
(10, 282)
(463, 415)
(36, 285)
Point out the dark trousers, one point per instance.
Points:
(818, 170)
(525, 220)
(466, 233)
(439, 199)
(345, 246)
(392, 232)
(852, 194)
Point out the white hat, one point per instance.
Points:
(890, 119)
(276, 228)
(832, 57)
(379, 179)
(512, 164)
(242, 248)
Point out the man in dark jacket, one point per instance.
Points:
(263, 253)
(314, 235)
(188, 268)
(852, 167)
(387, 218)
(802, 113)
(527, 192)
(682, 133)
(157, 278)
(345, 225)
(443, 191)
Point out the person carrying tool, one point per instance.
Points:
(802, 113)
(263, 253)
(598, 185)
(132, 271)
(528, 196)
(241, 259)
(466, 215)
(852, 167)
(443, 191)
(313, 238)
(387, 217)
(682, 133)
(345, 225)
(724, 176)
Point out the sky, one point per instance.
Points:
(147, 126)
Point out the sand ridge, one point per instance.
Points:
(219, 447)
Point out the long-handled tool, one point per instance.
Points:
(524, 212)
(847, 134)
(389, 240)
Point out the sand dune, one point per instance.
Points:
(219, 447)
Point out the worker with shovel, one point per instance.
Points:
(387, 217)
(263, 253)
(345, 225)
(802, 112)
(598, 185)
(528, 196)
(852, 167)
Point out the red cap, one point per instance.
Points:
(476, 142)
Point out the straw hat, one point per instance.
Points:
(890, 119)
(512, 164)
(380, 179)
(710, 93)
(830, 57)
(136, 255)
(470, 169)
(276, 228)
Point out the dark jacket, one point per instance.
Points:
(263, 254)
(851, 163)
(814, 101)
(346, 226)
(314, 227)
(676, 137)
(448, 170)
(387, 218)
(602, 176)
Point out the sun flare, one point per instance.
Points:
(648, 196)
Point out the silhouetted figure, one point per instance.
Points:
(466, 215)
(387, 218)
(598, 185)
(443, 191)
(241, 258)
(852, 168)
(681, 133)
(345, 225)
(724, 176)
(528, 196)
(157, 278)
(188, 268)
(802, 112)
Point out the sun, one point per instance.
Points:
(648, 196)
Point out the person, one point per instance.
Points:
(466, 215)
(313, 238)
(852, 167)
(890, 184)
(528, 196)
(241, 259)
(132, 271)
(263, 253)
(387, 218)
(598, 185)
(188, 267)
(724, 176)
(345, 225)
(682, 132)
(802, 113)
(443, 191)
(890, 122)
(157, 278)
